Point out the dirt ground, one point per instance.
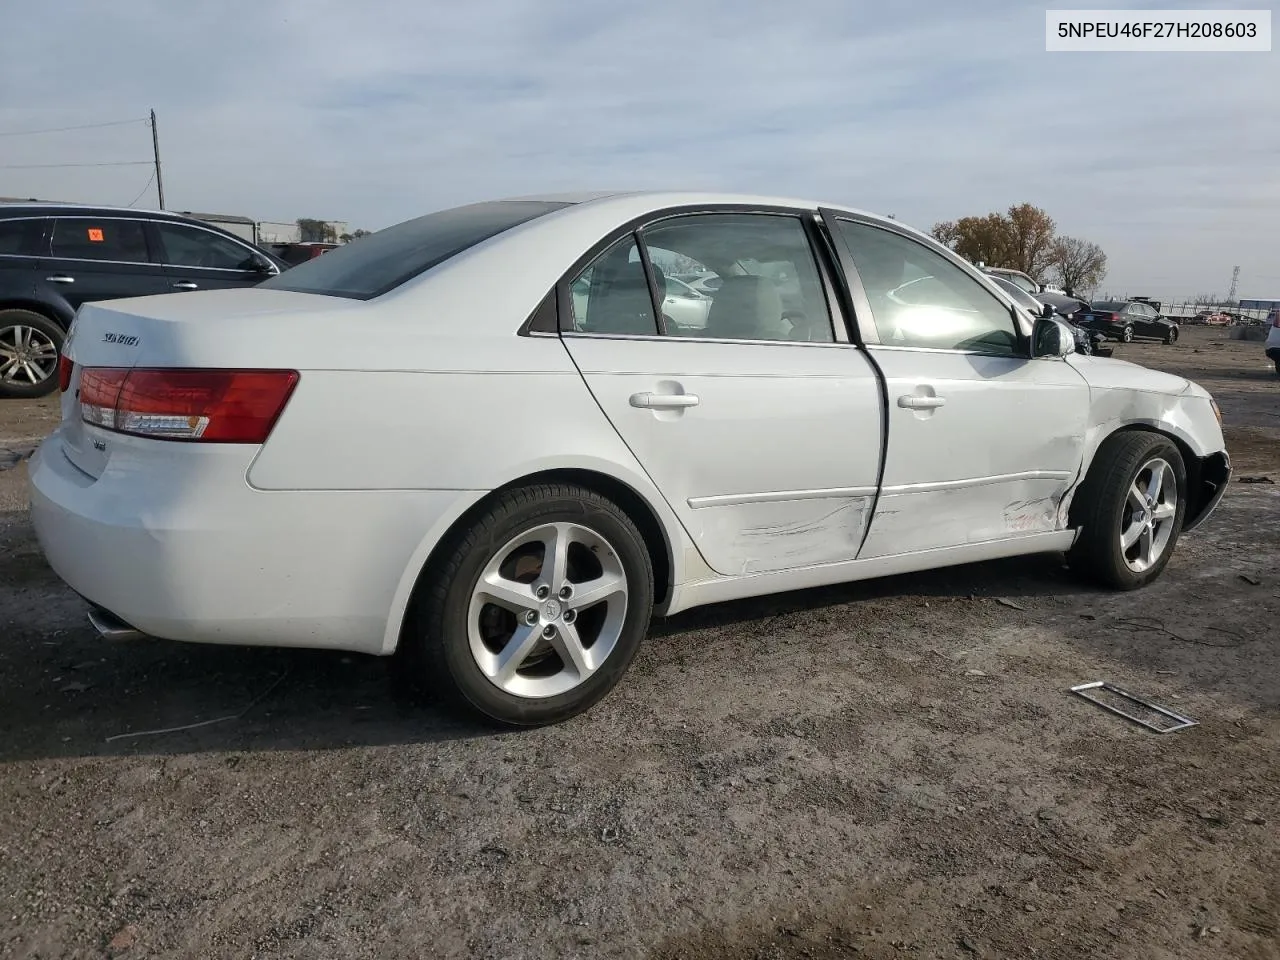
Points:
(885, 769)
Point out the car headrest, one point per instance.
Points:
(747, 308)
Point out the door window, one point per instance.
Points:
(192, 247)
(85, 238)
(612, 295)
(768, 288)
(17, 237)
(921, 299)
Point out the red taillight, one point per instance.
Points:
(214, 406)
(64, 372)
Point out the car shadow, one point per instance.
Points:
(67, 693)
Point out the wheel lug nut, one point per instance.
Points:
(548, 631)
(531, 617)
(569, 616)
(542, 592)
(566, 592)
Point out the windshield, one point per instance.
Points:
(1019, 296)
(382, 261)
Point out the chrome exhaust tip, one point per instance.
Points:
(111, 627)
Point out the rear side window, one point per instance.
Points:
(192, 247)
(17, 237)
(373, 265)
(85, 238)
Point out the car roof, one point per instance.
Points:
(49, 208)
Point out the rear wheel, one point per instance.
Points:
(1127, 334)
(1130, 509)
(537, 609)
(29, 348)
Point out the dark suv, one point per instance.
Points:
(54, 257)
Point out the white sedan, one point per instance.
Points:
(364, 454)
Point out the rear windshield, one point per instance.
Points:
(373, 265)
(1109, 304)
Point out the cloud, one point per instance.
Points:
(378, 111)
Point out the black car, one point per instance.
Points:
(54, 257)
(1129, 320)
(1086, 341)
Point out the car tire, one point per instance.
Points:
(1127, 334)
(1172, 336)
(1278, 368)
(544, 664)
(1125, 543)
(32, 335)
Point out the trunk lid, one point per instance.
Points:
(212, 328)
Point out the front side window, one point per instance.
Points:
(921, 299)
(612, 295)
(186, 246)
(86, 238)
(768, 285)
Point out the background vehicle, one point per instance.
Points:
(539, 465)
(1128, 320)
(56, 257)
(294, 253)
(1273, 338)
(1085, 340)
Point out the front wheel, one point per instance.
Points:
(537, 608)
(1127, 334)
(29, 348)
(1172, 336)
(1129, 510)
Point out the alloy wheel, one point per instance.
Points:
(26, 355)
(547, 610)
(1146, 522)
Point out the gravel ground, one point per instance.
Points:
(885, 769)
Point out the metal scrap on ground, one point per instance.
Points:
(1149, 715)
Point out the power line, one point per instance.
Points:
(145, 188)
(83, 126)
(47, 166)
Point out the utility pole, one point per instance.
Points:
(155, 146)
(1235, 280)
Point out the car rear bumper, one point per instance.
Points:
(186, 550)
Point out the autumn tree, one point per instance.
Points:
(1024, 238)
(1079, 264)
(1031, 240)
(977, 239)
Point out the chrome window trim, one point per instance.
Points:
(678, 339)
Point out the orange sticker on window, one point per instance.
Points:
(95, 234)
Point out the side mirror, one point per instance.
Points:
(1046, 311)
(1052, 338)
(261, 264)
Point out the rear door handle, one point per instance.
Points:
(186, 285)
(663, 401)
(912, 402)
(61, 278)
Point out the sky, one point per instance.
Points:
(376, 111)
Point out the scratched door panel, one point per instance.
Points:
(774, 467)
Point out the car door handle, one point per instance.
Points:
(61, 278)
(913, 402)
(663, 401)
(186, 285)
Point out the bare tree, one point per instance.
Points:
(1079, 264)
